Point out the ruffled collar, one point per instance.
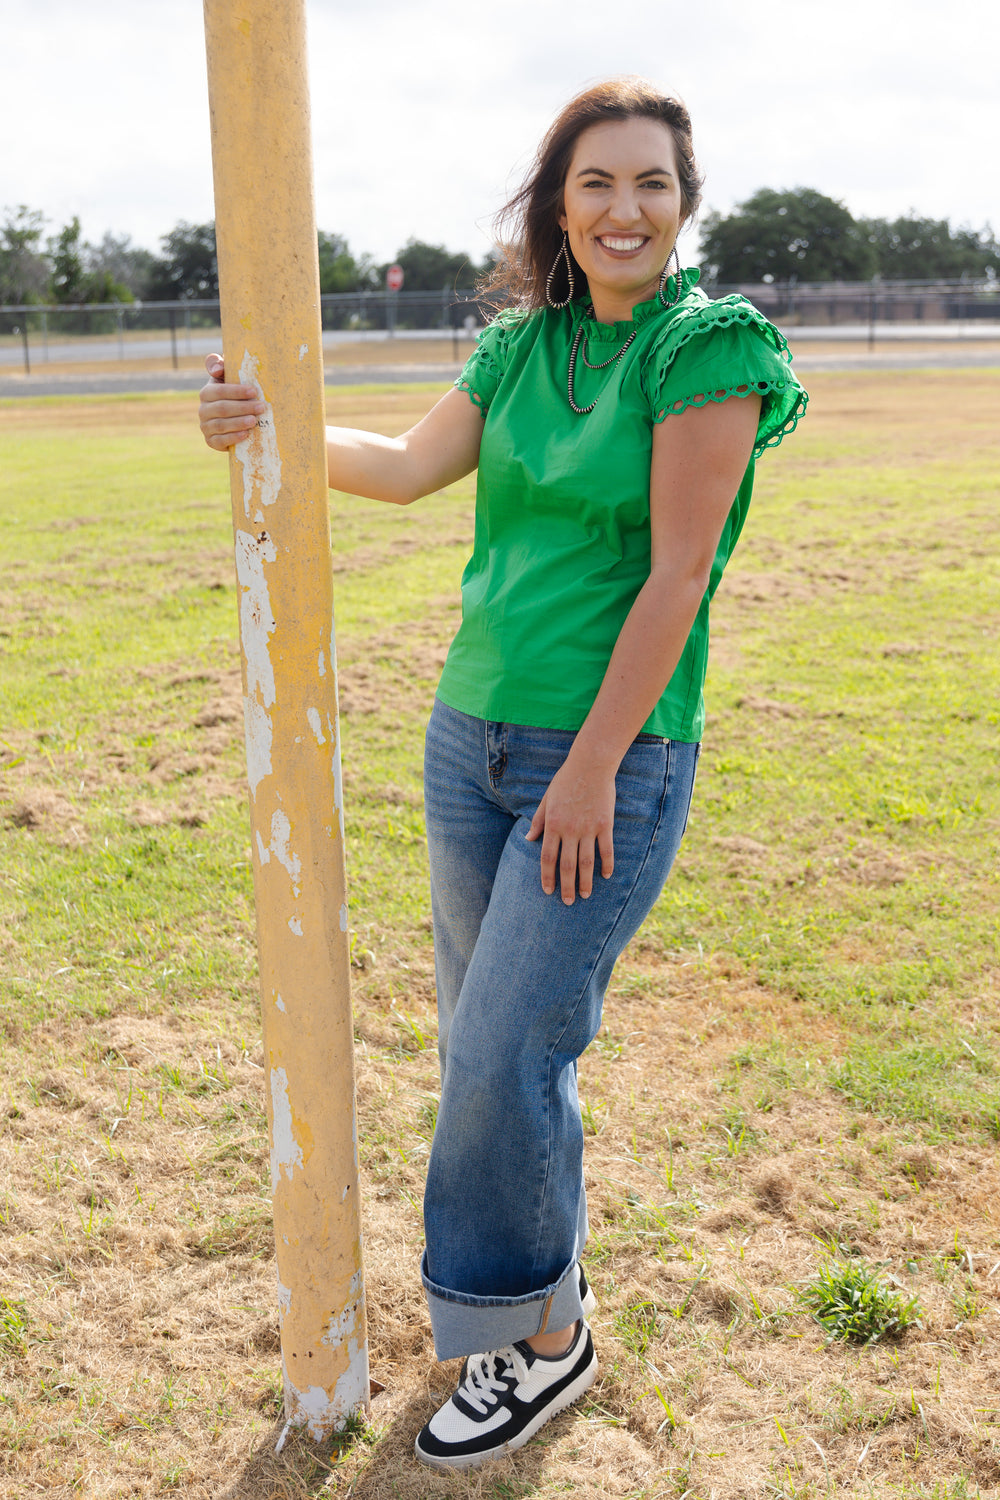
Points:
(610, 333)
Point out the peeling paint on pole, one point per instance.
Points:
(286, 1153)
(258, 93)
(257, 625)
(258, 454)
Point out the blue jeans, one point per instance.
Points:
(520, 981)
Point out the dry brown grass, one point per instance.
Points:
(139, 1343)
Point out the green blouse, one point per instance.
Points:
(562, 535)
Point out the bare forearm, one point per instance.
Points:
(442, 447)
(646, 653)
(365, 463)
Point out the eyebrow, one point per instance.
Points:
(600, 172)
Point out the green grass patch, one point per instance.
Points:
(853, 1302)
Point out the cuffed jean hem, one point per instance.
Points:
(463, 1325)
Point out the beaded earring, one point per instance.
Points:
(664, 274)
(562, 255)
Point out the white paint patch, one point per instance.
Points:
(286, 1153)
(295, 925)
(343, 1326)
(322, 665)
(256, 619)
(313, 1408)
(280, 1004)
(281, 832)
(256, 628)
(258, 452)
(257, 729)
(303, 350)
(316, 725)
(284, 1300)
(263, 850)
(321, 1412)
(343, 917)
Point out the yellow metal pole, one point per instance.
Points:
(269, 284)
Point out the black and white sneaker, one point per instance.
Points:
(505, 1396)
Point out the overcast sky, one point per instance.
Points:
(425, 112)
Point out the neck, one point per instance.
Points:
(612, 307)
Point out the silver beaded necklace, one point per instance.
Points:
(666, 302)
(582, 411)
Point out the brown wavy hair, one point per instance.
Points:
(527, 227)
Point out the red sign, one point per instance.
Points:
(394, 278)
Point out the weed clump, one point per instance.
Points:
(13, 1328)
(850, 1301)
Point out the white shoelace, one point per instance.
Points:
(481, 1381)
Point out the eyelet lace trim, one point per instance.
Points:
(754, 388)
(491, 358)
(474, 396)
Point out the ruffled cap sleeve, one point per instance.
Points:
(485, 366)
(720, 349)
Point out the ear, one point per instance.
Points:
(563, 222)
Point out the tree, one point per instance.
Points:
(76, 277)
(781, 236)
(338, 270)
(432, 268)
(924, 249)
(117, 260)
(24, 269)
(67, 264)
(188, 266)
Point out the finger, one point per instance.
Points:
(219, 409)
(215, 366)
(550, 853)
(585, 864)
(537, 823)
(567, 871)
(223, 440)
(215, 395)
(606, 847)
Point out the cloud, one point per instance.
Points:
(425, 113)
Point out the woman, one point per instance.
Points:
(614, 416)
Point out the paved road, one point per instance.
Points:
(120, 383)
(896, 356)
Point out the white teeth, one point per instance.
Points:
(611, 244)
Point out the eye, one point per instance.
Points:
(594, 182)
(654, 182)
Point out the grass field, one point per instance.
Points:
(793, 1110)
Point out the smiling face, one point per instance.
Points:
(622, 210)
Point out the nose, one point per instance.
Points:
(624, 206)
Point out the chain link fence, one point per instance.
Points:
(169, 331)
